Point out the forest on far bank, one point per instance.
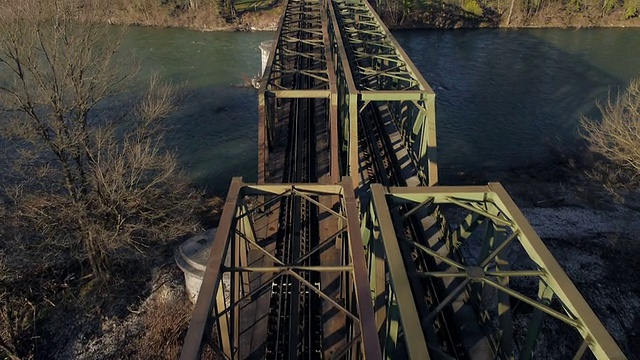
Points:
(445, 14)
(509, 13)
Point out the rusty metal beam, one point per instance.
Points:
(370, 344)
(200, 319)
(237, 225)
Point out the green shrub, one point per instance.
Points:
(631, 8)
(472, 6)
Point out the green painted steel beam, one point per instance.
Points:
(382, 72)
(414, 336)
(506, 225)
(370, 346)
(301, 94)
(364, 27)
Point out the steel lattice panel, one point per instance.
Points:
(497, 283)
(380, 75)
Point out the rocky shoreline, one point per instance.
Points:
(593, 237)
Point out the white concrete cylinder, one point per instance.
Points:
(191, 257)
(265, 50)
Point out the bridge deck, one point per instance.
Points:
(277, 159)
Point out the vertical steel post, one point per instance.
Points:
(432, 155)
(334, 145)
(504, 306)
(354, 160)
(262, 143)
(211, 282)
(545, 294)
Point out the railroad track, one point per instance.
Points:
(320, 79)
(295, 326)
(295, 318)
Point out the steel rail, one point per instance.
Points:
(295, 304)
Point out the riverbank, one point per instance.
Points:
(549, 16)
(263, 15)
(594, 240)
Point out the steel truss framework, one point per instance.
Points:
(302, 34)
(236, 236)
(492, 258)
(373, 70)
(356, 64)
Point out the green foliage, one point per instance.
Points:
(408, 5)
(631, 8)
(575, 4)
(472, 6)
(608, 5)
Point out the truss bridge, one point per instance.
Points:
(347, 247)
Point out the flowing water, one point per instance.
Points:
(215, 130)
(505, 98)
(512, 98)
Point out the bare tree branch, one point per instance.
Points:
(617, 136)
(91, 183)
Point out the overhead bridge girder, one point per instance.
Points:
(241, 248)
(481, 250)
(374, 72)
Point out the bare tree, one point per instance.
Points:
(617, 135)
(95, 178)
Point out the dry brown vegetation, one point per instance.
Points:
(90, 176)
(197, 14)
(201, 15)
(616, 137)
(514, 13)
(91, 201)
(165, 319)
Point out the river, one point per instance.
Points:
(504, 98)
